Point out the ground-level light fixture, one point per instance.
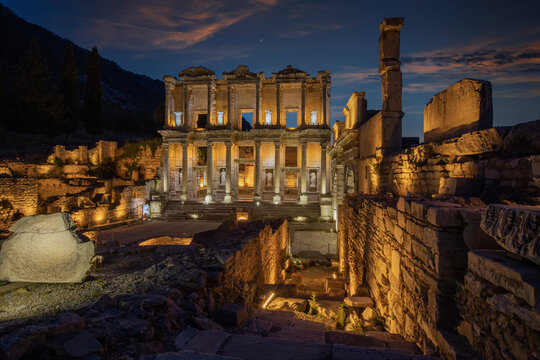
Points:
(268, 300)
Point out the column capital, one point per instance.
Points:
(303, 143)
(228, 144)
(324, 143)
(277, 143)
(209, 142)
(165, 146)
(185, 144)
(257, 143)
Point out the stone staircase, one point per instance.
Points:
(175, 210)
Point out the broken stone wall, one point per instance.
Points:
(17, 196)
(464, 107)
(410, 254)
(474, 164)
(259, 261)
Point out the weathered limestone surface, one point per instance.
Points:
(45, 248)
(516, 228)
(410, 254)
(464, 107)
(495, 319)
(523, 138)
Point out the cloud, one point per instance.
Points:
(167, 24)
(350, 75)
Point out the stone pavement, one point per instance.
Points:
(223, 345)
(155, 228)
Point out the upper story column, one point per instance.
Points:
(229, 105)
(211, 102)
(324, 90)
(324, 144)
(185, 106)
(303, 105)
(278, 106)
(257, 120)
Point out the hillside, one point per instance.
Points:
(130, 99)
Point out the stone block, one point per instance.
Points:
(315, 336)
(352, 339)
(358, 301)
(40, 251)
(230, 314)
(208, 341)
(518, 277)
(444, 216)
(515, 228)
(185, 337)
(464, 107)
(523, 138)
(283, 290)
(264, 348)
(344, 352)
(459, 186)
(331, 283)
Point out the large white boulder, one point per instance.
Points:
(45, 248)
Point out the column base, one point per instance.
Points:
(303, 199)
(227, 199)
(183, 197)
(257, 199)
(208, 199)
(326, 208)
(276, 199)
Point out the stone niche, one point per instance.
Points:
(464, 107)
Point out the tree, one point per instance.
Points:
(70, 93)
(37, 107)
(93, 103)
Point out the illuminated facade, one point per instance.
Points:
(246, 137)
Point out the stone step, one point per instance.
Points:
(270, 348)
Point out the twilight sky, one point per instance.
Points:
(441, 43)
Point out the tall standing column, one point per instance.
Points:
(324, 103)
(228, 198)
(303, 105)
(278, 107)
(209, 172)
(303, 175)
(257, 192)
(277, 173)
(166, 174)
(323, 168)
(184, 196)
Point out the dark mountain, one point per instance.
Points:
(130, 99)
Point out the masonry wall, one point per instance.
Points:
(22, 195)
(260, 260)
(473, 164)
(411, 254)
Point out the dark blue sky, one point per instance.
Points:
(441, 43)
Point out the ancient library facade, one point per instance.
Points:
(247, 137)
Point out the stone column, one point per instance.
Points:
(185, 172)
(209, 172)
(257, 192)
(185, 107)
(209, 106)
(277, 173)
(257, 120)
(303, 175)
(323, 187)
(303, 105)
(166, 174)
(323, 88)
(391, 85)
(325, 199)
(228, 198)
(278, 106)
(229, 112)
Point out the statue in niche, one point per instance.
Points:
(313, 178)
(269, 178)
(222, 176)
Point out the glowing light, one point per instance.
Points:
(268, 300)
(194, 216)
(242, 216)
(276, 202)
(258, 203)
(334, 275)
(300, 218)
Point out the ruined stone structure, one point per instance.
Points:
(369, 135)
(213, 154)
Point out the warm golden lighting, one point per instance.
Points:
(268, 300)
(334, 275)
(167, 240)
(242, 216)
